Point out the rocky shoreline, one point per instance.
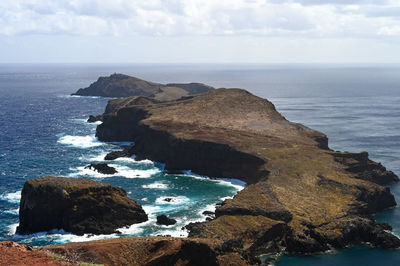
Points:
(301, 197)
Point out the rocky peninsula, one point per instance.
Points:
(76, 205)
(301, 196)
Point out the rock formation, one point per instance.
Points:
(119, 85)
(76, 205)
(102, 168)
(165, 220)
(93, 118)
(300, 195)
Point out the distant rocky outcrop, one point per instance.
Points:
(300, 194)
(102, 168)
(93, 118)
(165, 220)
(76, 205)
(119, 85)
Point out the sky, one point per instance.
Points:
(200, 31)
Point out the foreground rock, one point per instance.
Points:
(102, 168)
(12, 253)
(119, 85)
(150, 251)
(76, 205)
(301, 195)
(164, 220)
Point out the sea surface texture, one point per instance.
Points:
(43, 131)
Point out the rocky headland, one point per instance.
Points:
(301, 196)
(76, 205)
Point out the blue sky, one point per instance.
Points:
(194, 31)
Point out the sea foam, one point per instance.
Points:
(82, 142)
(13, 197)
(156, 185)
(123, 171)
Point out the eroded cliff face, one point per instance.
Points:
(77, 205)
(309, 196)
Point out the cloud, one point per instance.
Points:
(312, 18)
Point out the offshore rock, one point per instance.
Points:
(96, 118)
(102, 168)
(164, 220)
(76, 205)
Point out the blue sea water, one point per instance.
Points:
(43, 132)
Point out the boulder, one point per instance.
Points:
(102, 168)
(93, 118)
(164, 220)
(76, 205)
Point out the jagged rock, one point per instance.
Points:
(93, 118)
(102, 168)
(117, 154)
(76, 205)
(366, 169)
(164, 220)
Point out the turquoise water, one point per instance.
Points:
(43, 132)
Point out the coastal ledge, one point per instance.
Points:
(310, 197)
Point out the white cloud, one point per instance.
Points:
(313, 18)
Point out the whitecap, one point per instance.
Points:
(123, 171)
(156, 185)
(12, 211)
(12, 228)
(60, 236)
(135, 229)
(96, 158)
(82, 142)
(172, 200)
(209, 207)
(13, 197)
(173, 233)
(236, 183)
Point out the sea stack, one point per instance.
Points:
(76, 205)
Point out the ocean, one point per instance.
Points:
(43, 132)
